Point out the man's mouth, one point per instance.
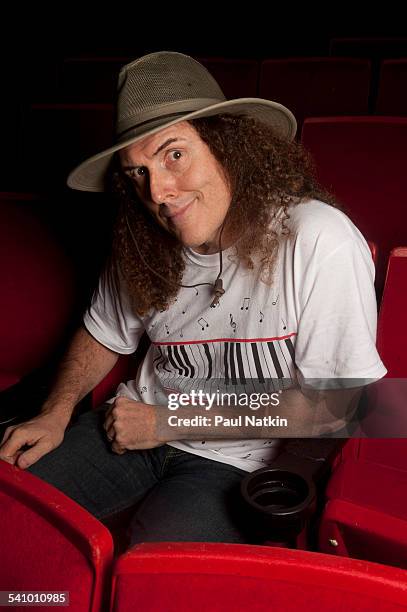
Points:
(175, 213)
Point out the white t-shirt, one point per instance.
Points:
(315, 323)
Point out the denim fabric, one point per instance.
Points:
(179, 496)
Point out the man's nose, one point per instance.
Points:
(163, 185)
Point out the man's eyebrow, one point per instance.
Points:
(165, 144)
(160, 148)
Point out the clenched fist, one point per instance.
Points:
(132, 425)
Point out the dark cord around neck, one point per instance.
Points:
(217, 285)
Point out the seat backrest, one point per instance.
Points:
(362, 160)
(238, 78)
(213, 577)
(392, 89)
(392, 328)
(49, 543)
(317, 86)
(38, 289)
(386, 400)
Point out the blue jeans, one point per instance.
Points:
(179, 496)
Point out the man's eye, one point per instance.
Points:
(176, 155)
(136, 173)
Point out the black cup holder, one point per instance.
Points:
(278, 491)
(281, 501)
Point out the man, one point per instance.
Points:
(251, 286)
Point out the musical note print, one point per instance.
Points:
(203, 323)
(185, 309)
(181, 334)
(276, 300)
(233, 323)
(197, 292)
(143, 390)
(153, 325)
(284, 324)
(261, 317)
(167, 329)
(245, 305)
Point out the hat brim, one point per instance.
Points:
(90, 174)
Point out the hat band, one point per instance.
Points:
(136, 131)
(158, 111)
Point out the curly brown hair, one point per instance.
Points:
(266, 174)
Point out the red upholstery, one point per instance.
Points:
(37, 289)
(366, 511)
(224, 577)
(317, 86)
(392, 328)
(50, 543)
(392, 93)
(237, 78)
(388, 417)
(363, 160)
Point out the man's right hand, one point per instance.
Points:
(42, 434)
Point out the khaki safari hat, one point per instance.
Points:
(162, 89)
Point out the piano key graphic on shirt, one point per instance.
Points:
(209, 358)
(275, 359)
(257, 364)
(290, 347)
(243, 363)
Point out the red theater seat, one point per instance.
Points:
(49, 543)
(366, 512)
(38, 289)
(366, 516)
(237, 77)
(388, 417)
(317, 86)
(362, 160)
(392, 328)
(392, 93)
(231, 577)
